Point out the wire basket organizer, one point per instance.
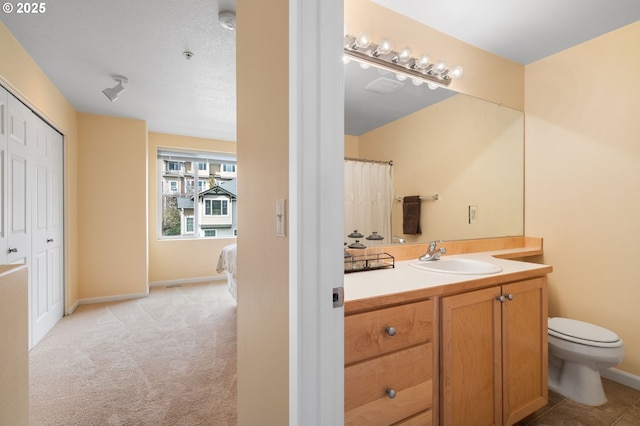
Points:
(368, 262)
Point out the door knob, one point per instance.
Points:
(13, 250)
(500, 298)
(510, 296)
(390, 393)
(49, 240)
(391, 331)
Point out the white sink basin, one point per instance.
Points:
(459, 266)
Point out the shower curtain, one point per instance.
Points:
(368, 198)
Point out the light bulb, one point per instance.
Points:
(363, 40)
(440, 67)
(422, 62)
(345, 59)
(432, 86)
(416, 81)
(363, 65)
(456, 72)
(404, 55)
(384, 47)
(401, 77)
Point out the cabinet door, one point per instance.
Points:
(525, 348)
(471, 359)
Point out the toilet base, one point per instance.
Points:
(577, 382)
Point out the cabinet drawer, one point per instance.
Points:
(408, 373)
(423, 419)
(365, 335)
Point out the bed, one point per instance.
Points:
(227, 264)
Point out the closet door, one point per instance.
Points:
(21, 131)
(4, 133)
(47, 293)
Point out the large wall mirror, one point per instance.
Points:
(468, 151)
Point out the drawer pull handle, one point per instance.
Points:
(390, 393)
(49, 240)
(391, 331)
(13, 250)
(501, 298)
(510, 296)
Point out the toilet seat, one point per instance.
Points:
(583, 333)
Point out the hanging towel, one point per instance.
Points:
(411, 215)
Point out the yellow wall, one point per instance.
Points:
(582, 174)
(486, 76)
(469, 152)
(263, 267)
(21, 76)
(351, 146)
(112, 197)
(171, 260)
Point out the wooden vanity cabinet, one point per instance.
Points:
(389, 365)
(494, 354)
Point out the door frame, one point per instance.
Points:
(316, 153)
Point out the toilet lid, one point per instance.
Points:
(582, 332)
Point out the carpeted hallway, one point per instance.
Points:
(167, 359)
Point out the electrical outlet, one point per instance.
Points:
(473, 214)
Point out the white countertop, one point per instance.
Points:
(404, 278)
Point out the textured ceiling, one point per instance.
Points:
(80, 44)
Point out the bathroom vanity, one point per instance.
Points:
(428, 348)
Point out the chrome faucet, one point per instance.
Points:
(434, 252)
(400, 240)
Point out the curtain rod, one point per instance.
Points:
(390, 162)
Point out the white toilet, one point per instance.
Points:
(577, 352)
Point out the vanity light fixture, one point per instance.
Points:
(113, 92)
(420, 69)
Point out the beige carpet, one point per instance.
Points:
(167, 359)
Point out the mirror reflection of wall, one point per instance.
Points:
(468, 151)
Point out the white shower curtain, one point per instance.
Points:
(368, 198)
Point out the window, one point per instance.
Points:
(186, 204)
(216, 207)
(174, 166)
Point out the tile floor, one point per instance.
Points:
(622, 409)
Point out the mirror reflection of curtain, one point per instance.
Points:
(368, 198)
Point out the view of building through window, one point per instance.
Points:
(208, 212)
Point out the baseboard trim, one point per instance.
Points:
(116, 298)
(72, 308)
(622, 377)
(187, 281)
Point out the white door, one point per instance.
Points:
(18, 205)
(46, 282)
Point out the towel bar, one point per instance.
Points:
(433, 197)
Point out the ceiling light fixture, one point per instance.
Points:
(361, 49)
(112, 93)
(228, 20)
